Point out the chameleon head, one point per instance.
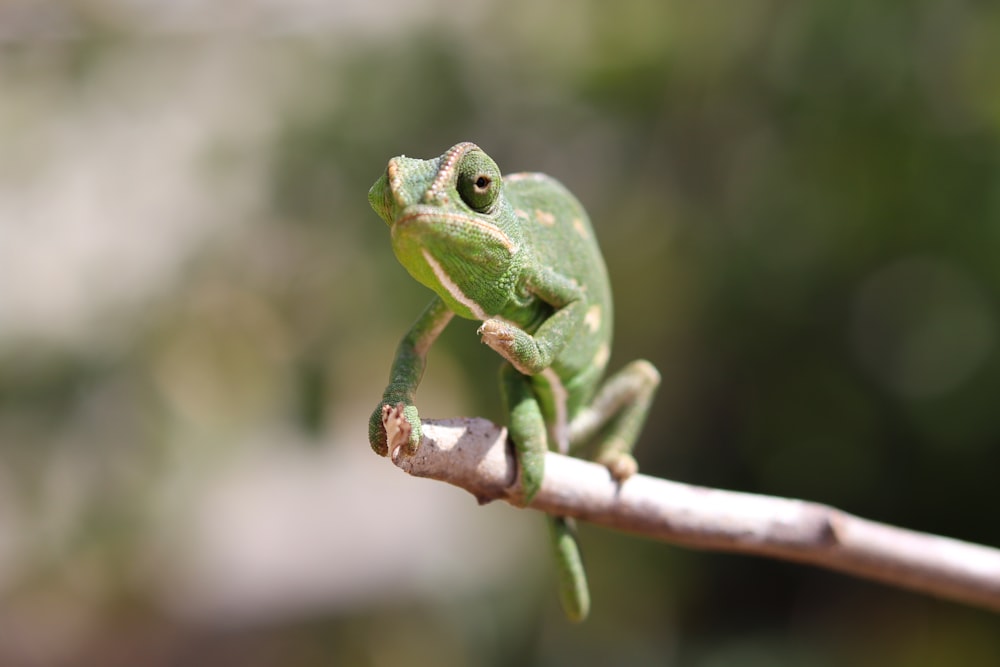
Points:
(451, 226)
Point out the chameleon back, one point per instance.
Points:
(561, 235)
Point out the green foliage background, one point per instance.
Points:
(799, 204)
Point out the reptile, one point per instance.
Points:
(518, 254)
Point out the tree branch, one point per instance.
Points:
(472, 454)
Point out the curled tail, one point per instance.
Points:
(569, 566)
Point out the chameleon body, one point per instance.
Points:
(518, 254)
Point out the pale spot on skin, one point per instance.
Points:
(580, 228)
(544, 217)
(593, 318)
(603, 353)
(525, 176)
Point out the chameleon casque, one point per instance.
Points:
(518, 254)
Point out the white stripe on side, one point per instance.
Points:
(454, 290)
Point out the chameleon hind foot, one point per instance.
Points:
(621, 465)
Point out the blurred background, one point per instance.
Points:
(799, 203)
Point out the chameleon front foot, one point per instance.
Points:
(398, 430)
(499, 336)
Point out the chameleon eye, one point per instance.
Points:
(478, 182)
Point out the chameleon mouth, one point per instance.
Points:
(454, 222)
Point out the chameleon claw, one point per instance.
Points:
(497, 334)
(397, 429)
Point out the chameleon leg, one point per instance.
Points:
(618, 412)
(527, 429)
(526, 426)
(395, 423)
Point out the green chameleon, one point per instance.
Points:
(519, 255)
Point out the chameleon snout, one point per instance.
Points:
(380, 198)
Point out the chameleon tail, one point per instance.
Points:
(569, 565)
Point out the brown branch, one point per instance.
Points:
(472, 454)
